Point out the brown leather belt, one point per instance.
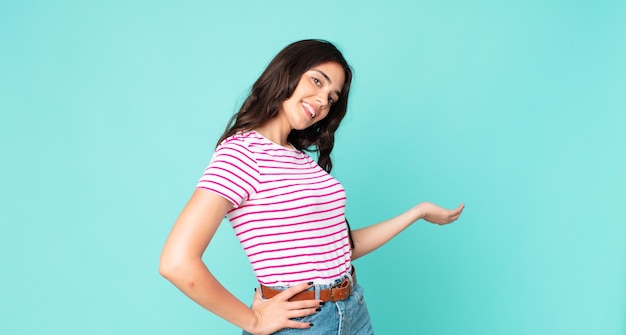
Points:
(338, 292)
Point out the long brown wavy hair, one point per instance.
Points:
(278, 82)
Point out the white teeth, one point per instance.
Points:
(309, 109)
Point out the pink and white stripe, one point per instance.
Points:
(288, 213)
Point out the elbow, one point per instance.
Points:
(180, 272)
(177, 269)
(165, 269)
(168, 267)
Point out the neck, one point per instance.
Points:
(275, 132)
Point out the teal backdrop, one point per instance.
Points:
(110, 111)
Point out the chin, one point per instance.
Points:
(300, 128)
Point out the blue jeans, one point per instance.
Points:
(344, 317)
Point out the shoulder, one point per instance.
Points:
(250, 141)
(240, 142)
(239, 149)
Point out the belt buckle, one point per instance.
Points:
(340, 285)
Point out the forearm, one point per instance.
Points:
(372, 237)
(195, 281)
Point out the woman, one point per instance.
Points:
(286, 210)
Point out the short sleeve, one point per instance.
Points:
(232, 172)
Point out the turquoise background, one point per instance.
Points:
(110, 111)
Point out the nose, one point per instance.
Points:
(322, 99)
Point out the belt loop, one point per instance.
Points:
(317, 292)
(351, 281)
(351, 277)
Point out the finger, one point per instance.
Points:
(444, 220)
(257, 294)
(258, 298)
(290, 292)
(458, 210)
(458, 213)
(455, 217)
(305, 304)
(299, 313)
(297, 324)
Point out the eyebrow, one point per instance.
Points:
(328, 79)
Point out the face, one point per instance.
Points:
(318, 89)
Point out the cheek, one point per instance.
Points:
(324, 114)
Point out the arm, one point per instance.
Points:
(371, 238)
(181, 263)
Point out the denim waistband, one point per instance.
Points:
(318, 287)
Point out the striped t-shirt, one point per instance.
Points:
(288, 213)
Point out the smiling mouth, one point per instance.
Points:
(309, 109)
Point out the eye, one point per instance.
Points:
(331, 100)
(317, 81)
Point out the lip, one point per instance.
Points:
(310, 109)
